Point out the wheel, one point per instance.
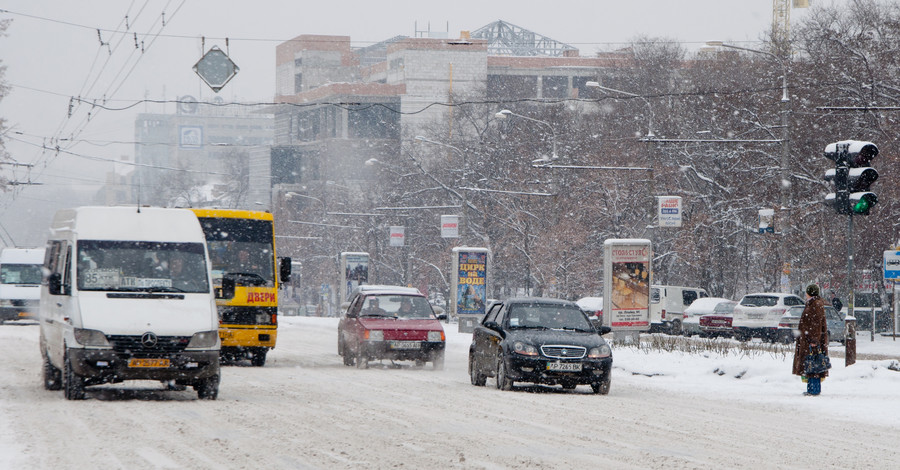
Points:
(503, 380)
(602, 387)
(74, 383)
(438, 361)
(52, 375)
(676, 327)
(477, 378)
(362, 360)
(208, 389)
(258, 359)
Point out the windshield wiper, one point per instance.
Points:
(160, 289)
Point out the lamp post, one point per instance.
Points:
(784, 194)
(650, 134)
(503, 114)
(465, 204)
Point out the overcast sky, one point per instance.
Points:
(53, 52)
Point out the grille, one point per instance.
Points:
(246, 315)
(562, 351)
(164, 344)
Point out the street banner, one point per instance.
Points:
(398, 235)
(669, 211)
(449, 226)
(626, 283)
(892, 265)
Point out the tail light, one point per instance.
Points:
(663, 314)
(784, 325)
(274, 318)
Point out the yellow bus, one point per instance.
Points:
(241, 247)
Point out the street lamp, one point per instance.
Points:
(465, 204)
(292, 194)
(650, 134)
(503, 114)
(785, 133)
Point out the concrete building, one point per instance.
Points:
(200, 155)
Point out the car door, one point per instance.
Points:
(481, 339)
(349, 326)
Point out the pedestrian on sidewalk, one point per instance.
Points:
(813, 337)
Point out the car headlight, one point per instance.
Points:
(375, 335)
(435, 336)
(93, 338)
(204, 340)
(602, 351)
(524, 349)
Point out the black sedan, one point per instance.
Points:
(542, 341)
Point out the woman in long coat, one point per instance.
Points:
(813, 333)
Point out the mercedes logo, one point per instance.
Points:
(565, 352)
(148, 340)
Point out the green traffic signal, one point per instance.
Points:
(860, 203)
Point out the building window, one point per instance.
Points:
(298, 83)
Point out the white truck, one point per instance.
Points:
(128, 296)
(20, 283)
(667, 304)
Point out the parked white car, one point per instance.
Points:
(757, 315)
(593, 307)
(700, 307)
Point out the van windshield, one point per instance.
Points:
(141, 266)
(20, 274)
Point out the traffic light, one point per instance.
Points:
(852, 176)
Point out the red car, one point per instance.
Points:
(395, 323)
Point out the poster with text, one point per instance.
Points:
(471, 283)
(627, 283)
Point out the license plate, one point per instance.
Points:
(564, 366)
(138, 362)
(756, 316)
(405, 345)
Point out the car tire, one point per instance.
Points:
(362, 361)
(259, 357)
(675, 327)
(345, 353)
(74, 383)
(503, 380)
(602, 387)
(52, 375)
(478, 379)
(438, 361)
(208, 389)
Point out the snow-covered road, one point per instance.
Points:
(304, 409)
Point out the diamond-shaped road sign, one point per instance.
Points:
(216, 68)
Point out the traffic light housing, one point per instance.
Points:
(852, 176)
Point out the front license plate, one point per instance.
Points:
(138, 362)
(405, 345)
(564, 366)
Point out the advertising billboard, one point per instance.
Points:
(471, 267)
(354, 272)
(626, 283)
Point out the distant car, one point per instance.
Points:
(694, 312)
(758, 314)
(593, 307)
(539, 340)
(719, 323)
(394, 323)
(787, 326)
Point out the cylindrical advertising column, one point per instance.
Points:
(471, 267)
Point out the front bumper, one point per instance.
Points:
(17, 313)
(107, 365)
(535, 369)
(248, 336)
(426, 350)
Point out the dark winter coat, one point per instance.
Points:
(813, 330)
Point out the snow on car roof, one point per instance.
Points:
(590, 303)
(705, 305)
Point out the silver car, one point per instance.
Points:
(787, 326)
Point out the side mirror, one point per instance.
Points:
(492, 325)
(54, 284)
(604, 330)
(227, 289)
(345, 309)
(284, 270)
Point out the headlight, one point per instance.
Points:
(93, 338)
(374, 335)
(602, 351)
(525, 349)
(204, 340)
(435, 336)
(5, 303)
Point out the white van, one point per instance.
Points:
(20, 282)
(667, 304)
(128, 296)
